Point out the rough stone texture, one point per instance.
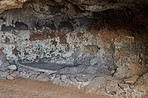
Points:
(132, 80)
(10, 4)
(3, 61)
(84, 5)
(126, 71)
(12, 67)
(42, 77)
(101, 42)
(3, 75)
(9, 77)
(97, 83)
(141, 85)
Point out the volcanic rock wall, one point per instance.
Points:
(103, 42)
(61, 32)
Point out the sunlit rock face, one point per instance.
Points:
(10, 4)
(89, 36)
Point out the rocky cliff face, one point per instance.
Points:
(97, 34)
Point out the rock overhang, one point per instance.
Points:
(99, 42)
(84, 5)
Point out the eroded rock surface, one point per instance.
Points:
(84, 5)
(11, 4)
(100, 46)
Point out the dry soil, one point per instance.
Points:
(26, 88)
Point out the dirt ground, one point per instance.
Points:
(26, 88)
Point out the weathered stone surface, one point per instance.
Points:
(87, 43)
(143, 80)
(93, 61)
(9, 77)
(3, 75)
(140, 88)
(98, 40)
(2, 59)
(98, 84)
(43, 77)
(15, 74)
(94, 6)
(92, 48)
(129, 70)
(104, 85)
(132, 80)
(10, 4)
(57, 81)
(63, 77)
(33, 76)
(3, 69)
(12, 67)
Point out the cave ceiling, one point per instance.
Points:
(84, 5)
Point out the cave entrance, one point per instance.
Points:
(100, 48)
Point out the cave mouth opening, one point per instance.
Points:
(76, 44)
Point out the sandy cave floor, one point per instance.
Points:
(26, 88)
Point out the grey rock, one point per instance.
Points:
(3, 75)
(57, 81)
(43, 77)
(52, 77)
(63, 77)
(67, 83)
(2, 59)
(12, 67)
(5, 64)
(3, 69)
(73, 79)
(73, 69)
(33, 76)
(81, 79)
(93, 61)
(56, 76)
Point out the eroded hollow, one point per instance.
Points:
(75, 39)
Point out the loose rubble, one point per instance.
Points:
(96, 83)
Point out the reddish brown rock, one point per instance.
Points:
(129, 70)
